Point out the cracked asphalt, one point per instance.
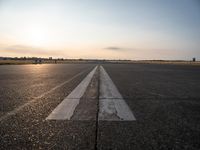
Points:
(164, 98)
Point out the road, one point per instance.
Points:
(100, 106)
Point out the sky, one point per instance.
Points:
(100, 29)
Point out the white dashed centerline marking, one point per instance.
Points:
(66, 108)
(112, 106)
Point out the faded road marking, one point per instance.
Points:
(66, 108)
(13, 112)
(112, 106)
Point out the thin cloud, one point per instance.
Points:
(24, 49)
(113, 48)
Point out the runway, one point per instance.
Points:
(100, 106)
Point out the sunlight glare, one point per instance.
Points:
(36, 35)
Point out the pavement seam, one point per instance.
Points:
(112, 109)
(97, 114)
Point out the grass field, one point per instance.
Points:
(23, 62)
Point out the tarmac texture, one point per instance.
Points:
(164, 99)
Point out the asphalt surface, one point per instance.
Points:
(165, 100)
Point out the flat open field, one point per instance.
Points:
(100, 106)
(24, 62)
(75, 61)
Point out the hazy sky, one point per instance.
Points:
(111, 29)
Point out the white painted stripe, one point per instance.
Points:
(112, 106)
(13, 112)
(66, 108)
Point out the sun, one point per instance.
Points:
(36, 35)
